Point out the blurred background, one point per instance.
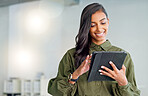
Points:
(35, 34)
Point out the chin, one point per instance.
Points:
(101, 39)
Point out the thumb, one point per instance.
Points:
(124, 69)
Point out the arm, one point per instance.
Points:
(131, 88)
(126, 85)
(60, 86)
(83, 68)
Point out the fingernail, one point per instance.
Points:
(99, 70)
(102, 66)
(90, 54)
(110, 62)
(101, 74)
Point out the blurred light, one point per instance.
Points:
(38, 19)
(36, 22)
(24, 58)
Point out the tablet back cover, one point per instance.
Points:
(102, 58)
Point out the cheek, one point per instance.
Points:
(91, 33)
(92, 30)
(105, 28)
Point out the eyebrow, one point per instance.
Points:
(100, 20)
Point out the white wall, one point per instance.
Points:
(4, 14)
(41, 46)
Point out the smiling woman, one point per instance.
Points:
(99, 27)
(73, 69)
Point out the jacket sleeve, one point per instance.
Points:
(131, 88)
(60, 86)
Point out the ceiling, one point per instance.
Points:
(11, 2)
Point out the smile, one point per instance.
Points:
(99, 34)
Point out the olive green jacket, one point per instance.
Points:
(60, 86)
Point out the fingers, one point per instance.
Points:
(110, 73)
(118, 75)
(87, 58)
(86, 61)
(108, 70)
(89, 61)
(113, 66)
(106, 73)
(90, 56)
(124, 69)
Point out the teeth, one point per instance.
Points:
(99, 33)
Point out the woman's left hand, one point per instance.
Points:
(118, 75)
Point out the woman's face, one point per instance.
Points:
(99, 27)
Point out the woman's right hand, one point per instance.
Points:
(83, 68)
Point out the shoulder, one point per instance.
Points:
(116, 48)
(128, 60)
(69, 53)
(68, 59)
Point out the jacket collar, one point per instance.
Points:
(105, 46)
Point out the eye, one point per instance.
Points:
(103, 23)
(93, 25)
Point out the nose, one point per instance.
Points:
(99, 28)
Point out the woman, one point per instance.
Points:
(72, 74)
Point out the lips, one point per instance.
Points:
(99, 34)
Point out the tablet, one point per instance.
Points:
(102, 58)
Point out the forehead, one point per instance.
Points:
(97, 16)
